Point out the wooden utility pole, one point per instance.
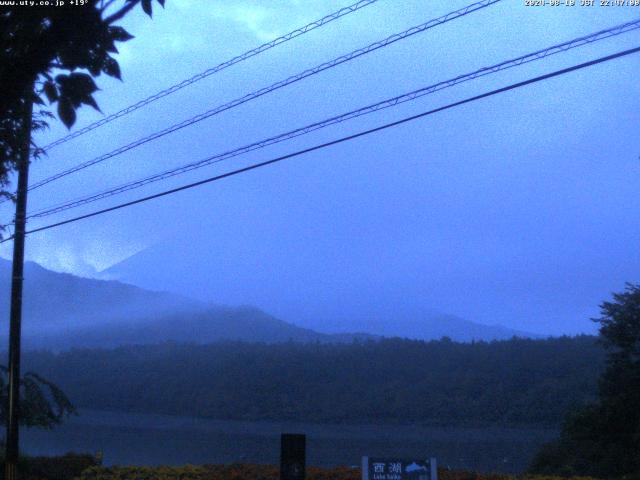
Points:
(15, 325)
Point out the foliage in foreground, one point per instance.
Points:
(65, 467)
(42, 403)
(53, 52)
(264, 472)
(603, 439)
(87, 467)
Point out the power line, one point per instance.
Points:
(202, 75)
(341, 140)
(282, 83)
(540, 54)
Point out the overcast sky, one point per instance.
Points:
(521, 209)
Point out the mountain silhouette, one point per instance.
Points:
(62, 311)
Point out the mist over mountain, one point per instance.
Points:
(55, 300)
(336, 287)
(63, 311)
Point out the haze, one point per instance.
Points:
(518, 210)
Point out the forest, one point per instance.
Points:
(513, 382)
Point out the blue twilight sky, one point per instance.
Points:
(521, 209)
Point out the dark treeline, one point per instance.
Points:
(440, 382)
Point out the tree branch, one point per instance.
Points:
(122, 12)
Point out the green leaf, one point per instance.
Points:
(95, 66)
(51, 91)
(66, 112)
(119, 34)
(89, 100)
(146, 6)
(82, 83)
(112, 68)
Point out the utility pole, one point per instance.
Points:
(13, 407)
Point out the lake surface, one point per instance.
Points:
(147, 439)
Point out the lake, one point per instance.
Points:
(147, 439)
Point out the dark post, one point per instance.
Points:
(292, 456)
(13, 407)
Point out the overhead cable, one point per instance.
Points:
(207, 73)
(391, 102)
(339, 140)
(280, 84)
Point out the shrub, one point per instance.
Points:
(65, 467)
(267, 472)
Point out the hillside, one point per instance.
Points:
(53, 300)
(391, 381)
(63, 311)
(200, 326)
(344, 287)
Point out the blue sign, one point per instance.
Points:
(398, 469)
